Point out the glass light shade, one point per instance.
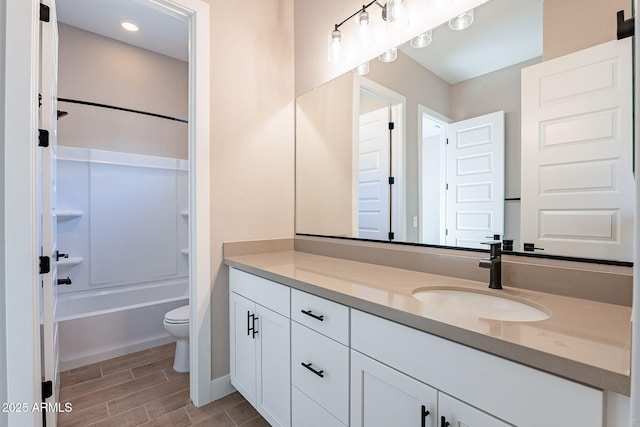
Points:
(462, 21)
(129, 26)
(362, 69)
(396, 14)
(365, 31)
(422, 40)
(389, 56)
(336, 51)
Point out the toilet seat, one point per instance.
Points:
(178, 315)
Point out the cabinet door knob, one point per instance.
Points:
(319, 317)
(423, 416)
(319, 373)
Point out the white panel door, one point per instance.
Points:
(274, 367)
(243, 346)
(48, 122)
(383, 397)
(373, 176)
(454, 413)
(475, 180)
(577, 142)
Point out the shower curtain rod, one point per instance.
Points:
(95, 104)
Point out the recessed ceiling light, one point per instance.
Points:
(129, 26)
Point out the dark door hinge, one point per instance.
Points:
(47, 389)
(391, 235)
(45, 265)
(45, 13)
(626, 27)
(446, 186)
(392, 180)
(43, 138)
(391, 125)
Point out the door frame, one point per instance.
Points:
(20, 201)
(398, 156)
(444, 121)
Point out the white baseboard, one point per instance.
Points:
(65, 365)
(221, 387)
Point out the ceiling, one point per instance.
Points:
(159, 31)
(503, 33)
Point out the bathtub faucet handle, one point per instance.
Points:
(66, 281)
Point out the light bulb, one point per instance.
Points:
(336, 54)
(422, 40)
(462, 21)
(389, 56)
(362, 69)
(364, 29)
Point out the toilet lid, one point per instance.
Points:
(178, 315)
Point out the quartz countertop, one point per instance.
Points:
(582, 340)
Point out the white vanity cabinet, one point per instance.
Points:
(382, 396)
(507, 393)
(260, 344)
(319, 361)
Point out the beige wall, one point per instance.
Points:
(572, 25)
(98, 69)
(324, 172)
(495, 91)
(252, 152)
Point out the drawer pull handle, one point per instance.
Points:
(251, 324)
(444, 422)
(319, 373)
(423, 416)
(320, 317)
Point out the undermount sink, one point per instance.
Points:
(480, 304)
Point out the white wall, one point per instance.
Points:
(102, 70)
(252, 152)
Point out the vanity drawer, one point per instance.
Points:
(327, 317)
(329, 384)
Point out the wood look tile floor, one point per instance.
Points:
(142, 389)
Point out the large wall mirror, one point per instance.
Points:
(428, 148)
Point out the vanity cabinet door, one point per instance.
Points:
(243, 346)
(383, 397)
(273, 367)
(454, 413)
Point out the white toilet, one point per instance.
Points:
(176, 322)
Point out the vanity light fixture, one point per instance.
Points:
(462, 21)
(365, 37)
(393, 12)
(336, 51)
(129, 26)
(362, 69)
(389, 56)
(422, 40)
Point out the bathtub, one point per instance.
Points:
(106, 323)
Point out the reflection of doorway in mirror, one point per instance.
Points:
(461, 179)
(432, 175)
(378, 163)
